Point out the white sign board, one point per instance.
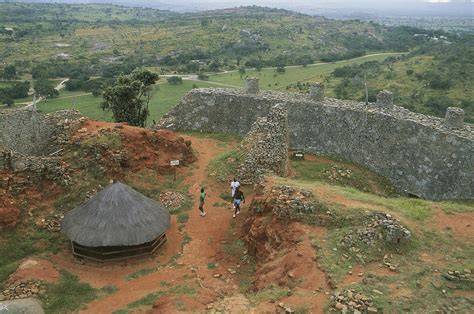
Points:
(174, 162)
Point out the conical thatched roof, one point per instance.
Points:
(116, 216)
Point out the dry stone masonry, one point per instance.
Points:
(424, 156)
(385, 99)
(454, 118)
(316, 91)
(265, 147)
(252, 86)
(30, 141)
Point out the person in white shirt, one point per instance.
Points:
(234, 185)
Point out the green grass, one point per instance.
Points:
(211, 265)
(165, 97)
(223, 137)
(182, 218)
(112, 140)
(147, 300)
(88, 105)
(272, 293)
(68, 295)
(20, 243)
(270, 80)
(141, 273)
(342, 173)
(224, 166)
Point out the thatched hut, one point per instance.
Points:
(116, 223)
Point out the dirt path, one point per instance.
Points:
(191, 268)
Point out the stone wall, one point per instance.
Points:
(265, 147)
(421, 155)
(31, 133)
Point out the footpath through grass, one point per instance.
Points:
(270, 79)
(165, 97)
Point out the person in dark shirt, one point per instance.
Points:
(237, 199)
(202, 197)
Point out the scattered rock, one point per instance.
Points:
(171, 199)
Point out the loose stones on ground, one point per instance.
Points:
(378, 226)
(22, 290)
(171, 199)
(351, 301)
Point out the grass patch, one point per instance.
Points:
(112, 140)
(343, 174)
(270, 80)
(223, 137)
(182, 218)
(109, 289)
(211, 265)
(16, 247)
(224, 166)
(186, 239)
(272, 293)
(141, 273)
(147, 300)
(68, 295)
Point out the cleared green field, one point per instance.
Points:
(165, 97)
(270, 79)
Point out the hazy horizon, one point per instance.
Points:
(341, 7)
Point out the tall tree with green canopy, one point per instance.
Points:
(9, 73)
(129, 97)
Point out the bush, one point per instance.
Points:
(175, 80)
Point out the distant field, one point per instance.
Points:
(165, 97)
(270, 79)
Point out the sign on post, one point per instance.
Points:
(174, 163)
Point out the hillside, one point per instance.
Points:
(96, 31)
(261, 261)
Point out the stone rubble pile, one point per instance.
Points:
(171, 199)
(454, 275)
(51, 223)
(292, 203)
(22, 290)
(335, 174)
(351, 301)
(377, 227)
(265, 148)
(36, 168)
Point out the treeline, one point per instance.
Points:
(451, 68)
(18, 90)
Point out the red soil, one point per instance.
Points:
(460, 224)
(33, 268)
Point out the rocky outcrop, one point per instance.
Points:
(421, 155)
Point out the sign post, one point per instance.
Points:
(174, 164)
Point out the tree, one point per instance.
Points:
(129, 97)
(203, 76)
(20, 90)
(175, 80)
(45, 88)
(9, 73)
(281, 69)
(9, 102)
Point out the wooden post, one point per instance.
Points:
(174, 164)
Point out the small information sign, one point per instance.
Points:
(298, 156)
(174, 162)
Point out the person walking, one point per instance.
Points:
(237, 199)
(202, 197)
(234, 185)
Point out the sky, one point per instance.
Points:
(381, 7)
